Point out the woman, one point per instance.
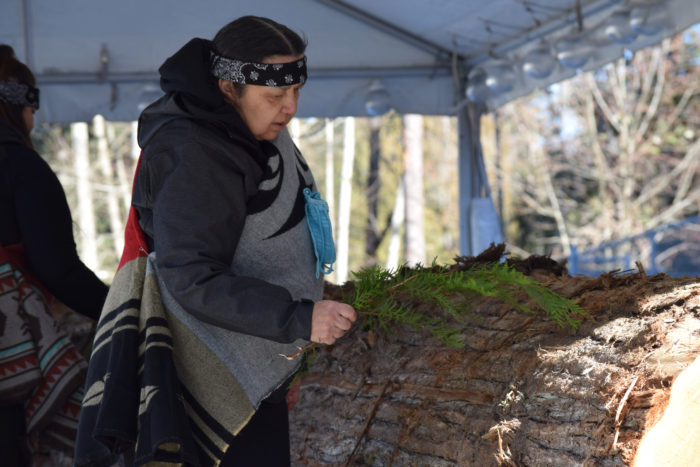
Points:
(205, 194)
(36, 239)
(221, 195)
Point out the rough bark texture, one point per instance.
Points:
(523, 392)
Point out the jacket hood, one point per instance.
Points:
(192, 92)
(9, 135)
(188, 72)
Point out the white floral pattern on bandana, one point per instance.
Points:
(262, 74)
(19, 94)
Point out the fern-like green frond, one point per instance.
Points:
(410, 295)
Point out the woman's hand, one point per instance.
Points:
(330, 320)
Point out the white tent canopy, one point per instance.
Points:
(102, 56)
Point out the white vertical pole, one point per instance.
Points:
(397, 219)
(87, 236)
(104, 159)
(413, 163)
(344, 201)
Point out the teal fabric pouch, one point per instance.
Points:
(319, 223)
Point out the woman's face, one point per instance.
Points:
(28, 116)
(268, 109)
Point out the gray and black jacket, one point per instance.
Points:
(224, 212)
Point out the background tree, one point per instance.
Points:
(373, 233)
(607, 154)
(344, 200)
(604, 155)
(85, 212)
(413, 163)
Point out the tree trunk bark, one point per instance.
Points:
(522, 392)
(397, 220)
(125, 175)
(295, 131)
(87, 235)
(373, 234)
(104, 158)
(345, 200)
(329, 180)
(329, 195)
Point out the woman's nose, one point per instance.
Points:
(290, 104)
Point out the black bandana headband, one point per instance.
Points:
(19, 94)
(262, 74)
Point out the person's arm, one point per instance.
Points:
(46, 227)
(198, 212)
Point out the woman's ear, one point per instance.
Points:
(228, 90)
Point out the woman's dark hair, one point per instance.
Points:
(12, 69)
(252, 38)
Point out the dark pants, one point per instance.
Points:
(264, 441)
(14, 451)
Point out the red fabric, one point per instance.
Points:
(135, 245)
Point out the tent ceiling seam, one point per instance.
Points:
(385, 26)
(535, 33)
(314, 73)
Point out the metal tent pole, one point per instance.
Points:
(467, 169)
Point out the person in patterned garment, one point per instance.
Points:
(36, 241)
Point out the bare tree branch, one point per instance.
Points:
(688, 175)
(551, 196)
(656, 98)
(657, 185)
(647, 83)
(683, 103)
(536, 206)
(674, 212)
(603, 170)
(600, 100)
(619, 85)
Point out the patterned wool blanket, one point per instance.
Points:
(39, 365)
(163, 387)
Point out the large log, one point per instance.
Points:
(675, 439)
(523, 391)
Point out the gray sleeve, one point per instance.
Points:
(198, 209)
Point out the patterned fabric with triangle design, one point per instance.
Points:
(39, 365)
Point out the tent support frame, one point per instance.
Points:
(28, 34)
